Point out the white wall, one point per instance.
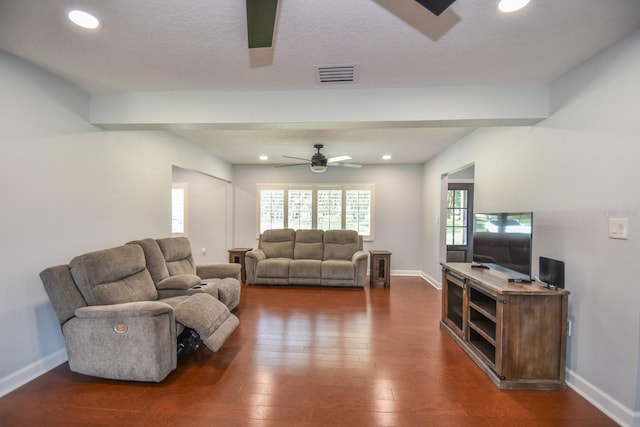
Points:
(68, 188)
(209, 215)
(397, 212)
(574, 171)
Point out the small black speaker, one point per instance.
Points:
(551, 272)
(436, 6)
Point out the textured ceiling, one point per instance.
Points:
(192, 45)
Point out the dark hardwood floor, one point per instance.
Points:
(309, 357)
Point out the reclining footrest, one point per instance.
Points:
(210, 318)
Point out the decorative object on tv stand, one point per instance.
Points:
(551, 272)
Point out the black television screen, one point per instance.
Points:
(502, 241)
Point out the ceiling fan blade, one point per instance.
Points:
(293, 164)
(436, 6)
(338, 159)
(261, 20)
(346, 165)
(297, 158)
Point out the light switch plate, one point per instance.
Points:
(619, 228)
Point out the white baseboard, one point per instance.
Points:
(430, 280)
(416, 273)
(611, 407)
(28, 373)
(405, 272)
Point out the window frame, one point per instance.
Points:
(184, 186)
(315, 188)
(468, 227)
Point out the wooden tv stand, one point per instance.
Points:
(515, 333)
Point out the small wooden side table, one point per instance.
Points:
(236, 255)
(380, 268)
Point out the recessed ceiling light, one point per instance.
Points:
(386, 157)
(84, 19)
(511, 5)
(263, 157)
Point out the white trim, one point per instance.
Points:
(433, 282)
(611, 407)
(31, 372)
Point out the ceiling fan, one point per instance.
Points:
(319, 162)
(261, 18)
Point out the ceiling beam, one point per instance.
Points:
(261, 21)
(436, 6)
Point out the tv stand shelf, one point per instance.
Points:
(515, 332)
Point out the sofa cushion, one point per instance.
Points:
(278, 243)
(273, 268)
(155, 259)
(113, 276)
(340, 244)
(227, 290)
(305, 268)
(177, 255)
(64, 294)
(309, 244)
(338, 269)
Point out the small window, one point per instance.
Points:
(179, 211)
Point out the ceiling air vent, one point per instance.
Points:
(336, 74)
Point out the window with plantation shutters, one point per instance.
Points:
(271, 209)
(300, 209)
(358, 211)
(329, 209)
(334, 207)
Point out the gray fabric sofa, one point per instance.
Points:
(116, 322)
(174, 272)
(307, 257)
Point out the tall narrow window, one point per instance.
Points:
(271, 209)
(179, 211)
(330, 209)
(358, 211)
(300, 212)
(457, 217)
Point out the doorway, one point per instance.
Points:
(458, 228)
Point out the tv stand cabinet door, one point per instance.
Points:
(533, 344)
(454, 303)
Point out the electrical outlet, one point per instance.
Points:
(204, 251)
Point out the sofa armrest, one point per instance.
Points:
(219, 271)
(179, 282)
(358, 256)
(256, 254)
(360, 261)
(251, 260)
(131, 341)
(125, 310)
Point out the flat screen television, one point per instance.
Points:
(502, 241)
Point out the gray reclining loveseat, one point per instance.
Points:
(117, 324)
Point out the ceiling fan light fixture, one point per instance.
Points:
(508, 6)
(318, 168)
